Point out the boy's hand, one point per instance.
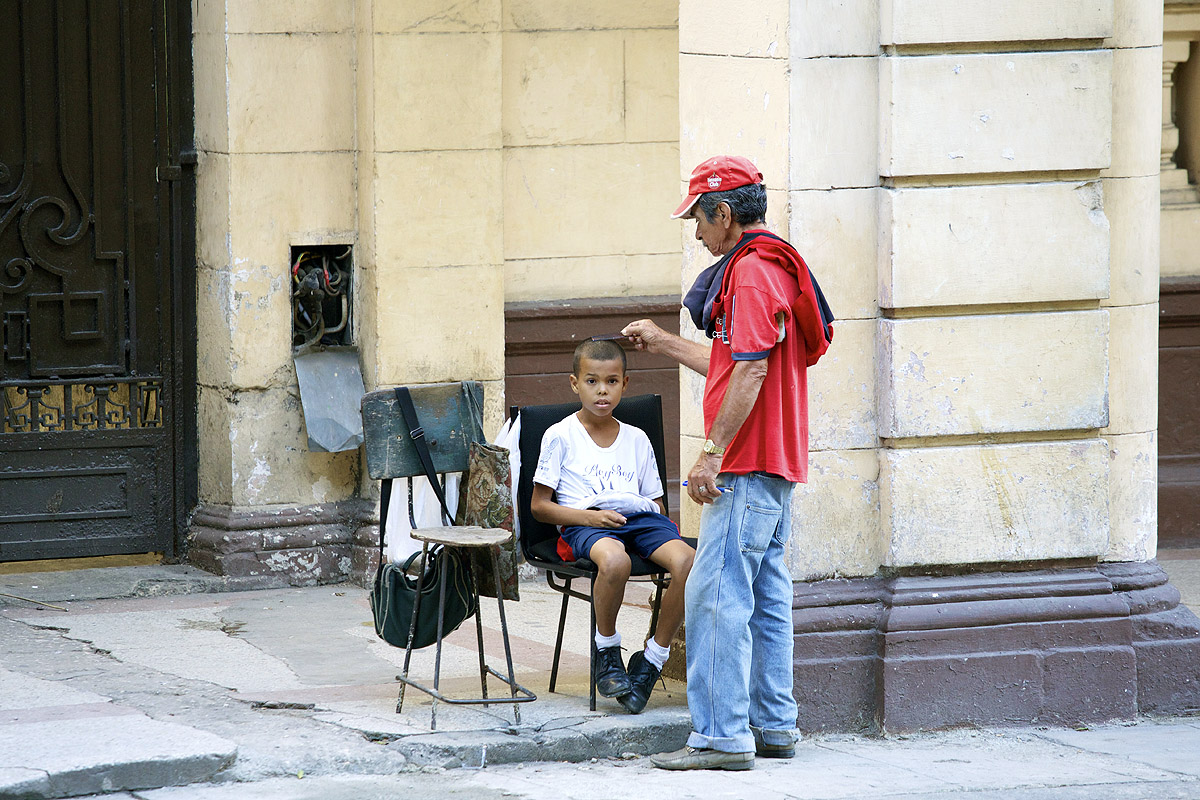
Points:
(605, 519)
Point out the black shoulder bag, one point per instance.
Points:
(395, 591)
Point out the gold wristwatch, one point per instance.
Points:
(712, 449)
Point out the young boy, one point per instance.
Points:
(607, 485)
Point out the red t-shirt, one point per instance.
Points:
(755, 320)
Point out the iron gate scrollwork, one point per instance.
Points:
(89, 281)
(57, 406)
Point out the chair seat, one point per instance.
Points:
(463, 536)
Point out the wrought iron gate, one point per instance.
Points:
(94, 419)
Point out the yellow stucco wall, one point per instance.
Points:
(473, 154)
(275, 132)
(527, 149)
(590, 127)
(916, 151)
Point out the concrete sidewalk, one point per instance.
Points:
(160, 676)
(179, 686)
(1153, 759)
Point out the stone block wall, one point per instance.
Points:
(589, 123)
(733, 98)
(430, 177)
(984, 252)
(473, 155)
(590, 129)
(275, 132)
(975, 187)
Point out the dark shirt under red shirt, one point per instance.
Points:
(758, 294)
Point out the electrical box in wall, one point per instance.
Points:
(327, 365)
(322, 295)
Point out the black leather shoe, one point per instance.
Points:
(642, 677)
(611, 678)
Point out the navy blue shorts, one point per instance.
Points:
(642, 534)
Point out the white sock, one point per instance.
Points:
(607, 641)
(656, 654)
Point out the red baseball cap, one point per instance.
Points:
(718, 174)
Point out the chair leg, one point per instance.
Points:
(656, 606)
(512, 676)
(479, 643)
(412, 625)
(592, 646)
(437, 660)
(562, 625)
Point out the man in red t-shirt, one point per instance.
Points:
(757, 305)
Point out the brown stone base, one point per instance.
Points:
(1062, 647)
(364, 555)
(305, 545)
(1166, 638)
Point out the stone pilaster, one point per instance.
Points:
(275, 133)
(976, 188)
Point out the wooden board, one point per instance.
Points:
(450, 417)
(463, 536)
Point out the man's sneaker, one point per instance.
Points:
(611, 678)
(701, 758)
(768, 750)
(642, 677)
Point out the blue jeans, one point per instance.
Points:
(739, 618)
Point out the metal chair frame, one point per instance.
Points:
(446, 538)
(392, 454)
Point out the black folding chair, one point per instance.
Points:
(539, 540)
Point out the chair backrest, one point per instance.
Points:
(643, 411)
(451, 415)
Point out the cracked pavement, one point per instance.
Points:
(295, 680)
(287, 693)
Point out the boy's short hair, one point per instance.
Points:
(603, 350)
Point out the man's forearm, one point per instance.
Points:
(745, 382)
(742, 392)
(692, 355)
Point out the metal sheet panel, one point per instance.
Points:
(331, 388)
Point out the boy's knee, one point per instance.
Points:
(613, 563)
(683, 564)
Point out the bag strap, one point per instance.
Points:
(417, 433)
(385, 501)
(471, 413)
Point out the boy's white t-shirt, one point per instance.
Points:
(622, 477)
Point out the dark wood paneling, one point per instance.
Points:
(540, 339)
(1179, 414)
